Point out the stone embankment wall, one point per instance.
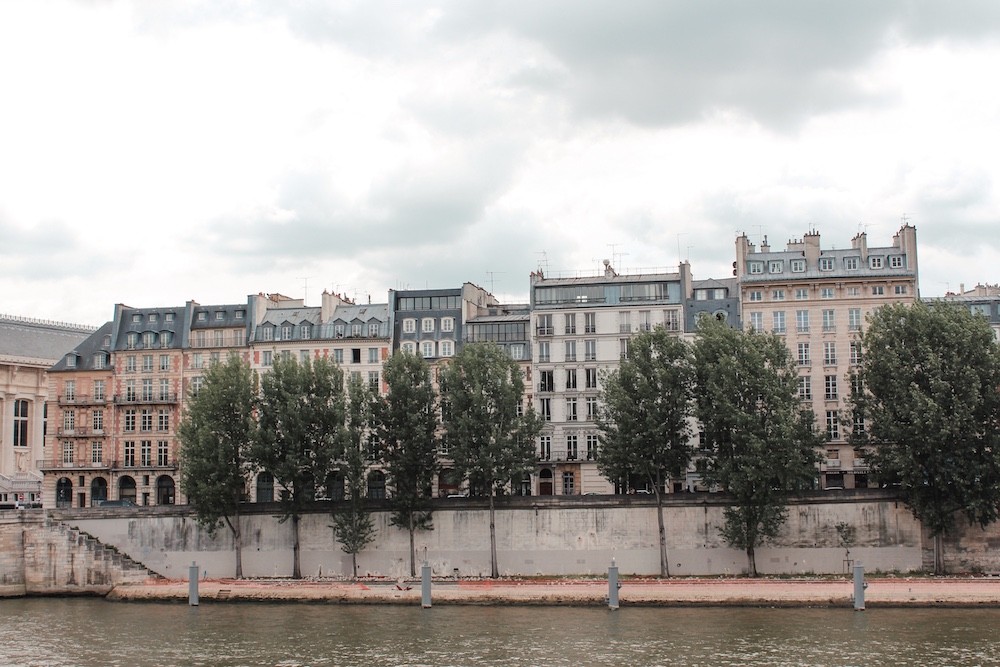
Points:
(535, 536)
(41, 557)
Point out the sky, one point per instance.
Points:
(156, 152)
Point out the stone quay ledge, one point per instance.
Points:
(735, 592)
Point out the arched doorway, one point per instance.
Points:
(164, 490)
(98, 491)
(545, 482)
(64, 492)
(265, 487)
(126, 488)
(376, 485)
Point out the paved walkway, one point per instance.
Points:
(884, 592)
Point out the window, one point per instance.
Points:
(266, 358)
(427, 349)
(590, 350)
(447, 348)
(802, 321)
(757, 321)
(875, 261)
(798, 265)
(544, 325)
(569, 321)
(447, 324)
(830, 388)
(805, 387)
(146, 420)
(590, 378)
(546, 381)
(373, 380)
(69, 420)
(70, 387)
(356, 329)
(147, 389)
(624, 322)
(130, 420)
(756, 267)
(569, 484)
(571, 415)
(645, 323)
(778, 320)
(338, 355)
(827, 293)
(97, 419)
(267, 333)
(130, 364)
(896, 262)
(545, 407)
(855, 353)
(830, 353)
(303, 356)
(900, 289)
(778, 295)
(853, 291)
(20, 423)
(826, 263)
(571, 350)
(832, 425)
(757, 295)
(592, 443)
(338, 330)
(305, 331)
(98, 390)
(202, 317)
(129, 454)
(801, 294)
(162, 453)
(96, 451)
(516, 351)
(878, 290)
(196, 385)
(163, 420)
(623, 348)
(146, 449)
(543, 351)
(373, 355)
(803, 357)
(169, 317)
(130, 391)
(829, 322)
(71, 361)
(591, 408)
(164, 389)
(409, 325)
(67, 451)
(775, 266)
(851, 263)
(99, 360)
(427, 324)
(572, 448)
(356, 354)
(590, 323)
(136, 318)
(544, 447)
(672, 320)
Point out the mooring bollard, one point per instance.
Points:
(193, 584)
(425, 586)
(859, 586)
(613, 585)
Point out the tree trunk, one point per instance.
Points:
(234, 528)
(939, 554)
(494, 570)
(296, 568)
(664, 561)
(413, 549)
(354, 564)
(751, 562)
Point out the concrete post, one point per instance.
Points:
(193, 584)
(859, 586)
(425, 586)
(613, 585)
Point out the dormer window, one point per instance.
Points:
(775, 266)
(875, 261)
(286, 332)
(240, 314)
(136, 318)
(851, 263)
(131, 340)
(756, 267)
(267, 333)
(896, 262)
(99, 361)
(797, 265)
(220, 315)
(153, 317)
(202, 317)
(826, 263)
(71, 361)
(305, 331)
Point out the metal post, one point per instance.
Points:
(859, 586)
(193, 584)
(425, 586)
(613, 585)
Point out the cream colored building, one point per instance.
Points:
(818, 299)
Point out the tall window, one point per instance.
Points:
(69, 420)
(591, 408)
(757, 321)
(571, 415)
(855, 352)
(805, 387)
(147, 453)
(147, 389)
(804, 354)
(67, 451)
(545, 407)
(829, 323)
(572, 452)
(570, 322)
(373, 355)
(96, 451)
(854, 319)
(831, 388)
(570, 350)
(591, 378)
(590, 350)
(427, 349)
(163, 420)
(98, 420)
(778, 321)
(570, 378)
(447, 348)
(623, 348)
(98, 390)
(164, 389)
(569, 484)
(146, 420)
(543, 351)
(830, 353)
(625, 322)
(128, 452)
(671, 320)
(590, 323)
(373, 380)
(545, 447)
(20, 423)
(832, 425)
(130, 363)
(544, 325)
(802, 321)
(70, 387)
(546, 381)
(162, 453)
(591, 447)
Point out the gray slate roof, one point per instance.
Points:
(36, 340)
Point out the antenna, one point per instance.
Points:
(305, 289)
(543, 264)
(906, 219)
(616, 257)
(490, 274)
(679, 235)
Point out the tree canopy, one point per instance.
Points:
(491, 440)
(647, 404)
(759, 442)
(217, 433)
(929, 411)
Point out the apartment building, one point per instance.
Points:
(817, 299)
(28, 347)
(981, 300)
(581, 328)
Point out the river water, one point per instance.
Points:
(98, 633)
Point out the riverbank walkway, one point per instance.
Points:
(882, 592)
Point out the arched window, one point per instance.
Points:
(164, 490)
(126, 488)
(265, 487)
(545, 482)
(20, 423)
(376, 485)
(64, 492)
(98, 491)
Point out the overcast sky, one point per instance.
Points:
(157, 152)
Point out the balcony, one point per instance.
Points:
(73, 465)
(833, 464)
(802, 329)
(829, 328)
(545, 331)
(134, 399)
(79, 432)
(81, 399)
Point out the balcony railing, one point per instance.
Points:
(833, 464)
(81, 399)
(545, 331)
(121, 399)
(72, 465)
(79, 432)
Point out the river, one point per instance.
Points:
(90, 632)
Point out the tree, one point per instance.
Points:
(352, 523)
(759, 439)
(490, 439)
(646, 406)
(928, 403)
(408, 433)
(216, 435)
(301, 424)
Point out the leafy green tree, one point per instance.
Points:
(760, 441)
(931, 412)
(217, 434)
(301, 425)
(490, 439)
(408, 433)
(645, 416)
(352, 522)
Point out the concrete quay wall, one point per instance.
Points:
(535, 536)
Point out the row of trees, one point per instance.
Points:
(317, 438)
